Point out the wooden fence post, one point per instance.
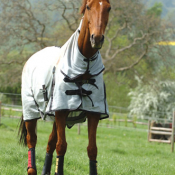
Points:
(78, 128)
(149, 134)
(173, 130)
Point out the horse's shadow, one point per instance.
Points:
(119, 151)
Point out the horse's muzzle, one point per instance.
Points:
(97, 41)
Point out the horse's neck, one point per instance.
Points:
(84, 43)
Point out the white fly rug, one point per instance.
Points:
(50, 83)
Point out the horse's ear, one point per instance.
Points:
(83, 7)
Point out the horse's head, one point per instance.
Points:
(97, 13)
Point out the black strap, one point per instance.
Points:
(81, 92)
(53, 86)
(89, 81)
(45, 93)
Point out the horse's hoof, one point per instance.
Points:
(45, 173)
(31, 171)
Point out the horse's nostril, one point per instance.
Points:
(102, 38)
(97, 38)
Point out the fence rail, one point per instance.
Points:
(11, 106)
(13, 109)
(115, 117)
(166, 134)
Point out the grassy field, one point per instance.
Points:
(121, 151)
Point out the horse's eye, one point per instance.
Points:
(87, 7)
(109, 9)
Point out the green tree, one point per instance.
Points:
(28, 26)
(156, 10)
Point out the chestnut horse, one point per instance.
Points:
(90, 40)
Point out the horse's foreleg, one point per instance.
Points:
(61, 145)
(49, 151)
(93, 120)
(31, 143)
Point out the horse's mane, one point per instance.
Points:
(83, 7)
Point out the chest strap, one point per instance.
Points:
(89, 81)
(81, 92)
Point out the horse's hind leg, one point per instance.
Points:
(49, 151)
(93, 120)
(61, 145)
(31, 143)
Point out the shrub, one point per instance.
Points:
(156, 100)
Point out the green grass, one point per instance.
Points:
(121, 151)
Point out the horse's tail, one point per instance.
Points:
(22, 132)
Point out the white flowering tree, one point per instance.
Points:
(156, 99)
